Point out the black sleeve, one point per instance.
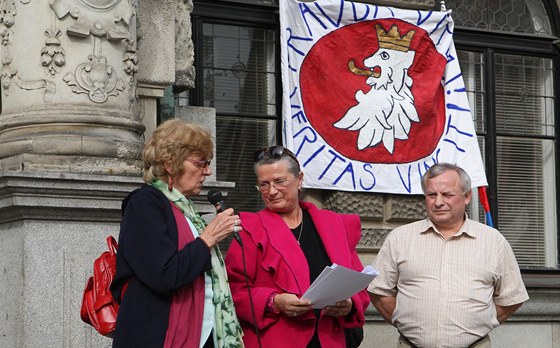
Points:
(148, 244)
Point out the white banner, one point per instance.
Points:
(373, 96)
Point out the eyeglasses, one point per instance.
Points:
(202, 164)
(276, 151)
(278, 184)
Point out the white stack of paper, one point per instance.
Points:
(337, 283)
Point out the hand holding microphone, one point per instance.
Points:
(225, 223)
(216, 199)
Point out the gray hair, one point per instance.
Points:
(273, 154)
(293, 165)
(440, 168)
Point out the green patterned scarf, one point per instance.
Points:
(228, 330)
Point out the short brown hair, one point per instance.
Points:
(173, 142)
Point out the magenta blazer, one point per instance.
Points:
(275, 263)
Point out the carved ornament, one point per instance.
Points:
(52, 55)
(9, 72)
(7, 20)
(96, 78)
(96, 17)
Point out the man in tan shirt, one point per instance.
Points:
(446, 281)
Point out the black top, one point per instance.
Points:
(316, 256)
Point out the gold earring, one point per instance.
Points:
(170, 184)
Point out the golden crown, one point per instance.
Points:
(392, 39)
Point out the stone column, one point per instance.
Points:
(69, 119)
(69, 86)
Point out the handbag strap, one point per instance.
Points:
(112, 245)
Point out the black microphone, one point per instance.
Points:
(217, 200)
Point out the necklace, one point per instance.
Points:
(300, 228)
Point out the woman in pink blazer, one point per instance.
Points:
(286, 246)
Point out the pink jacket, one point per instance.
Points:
(275, 263)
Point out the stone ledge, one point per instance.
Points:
(86, 165)
(75, 197)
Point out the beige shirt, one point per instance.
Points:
(447, 289)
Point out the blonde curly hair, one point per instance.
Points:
(172, 142)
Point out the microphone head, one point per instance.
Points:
(214, 197)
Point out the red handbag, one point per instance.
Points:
(99, 308)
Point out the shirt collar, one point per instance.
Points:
(428, 226)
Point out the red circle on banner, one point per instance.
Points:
(328, 90)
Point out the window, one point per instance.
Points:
(526, 17)
(238, 75)
(509, 71)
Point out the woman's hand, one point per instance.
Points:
(340, 309)
(220, 227)
(291, 305)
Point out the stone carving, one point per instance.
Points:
(49, 86)
(107, 19)
(95, 78)
(184, 49)
(373, 238)
(96, 17)
(367, 205)
(9, 71)
(130, 59)
(7, 20)
(406, 208)
(52, 55)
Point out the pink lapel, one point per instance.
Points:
(282, 240)
(332, 232)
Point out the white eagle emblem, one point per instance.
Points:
(386, 112)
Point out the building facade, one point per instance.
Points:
(84, 83)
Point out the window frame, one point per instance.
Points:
(242, 15)
(488, 44)
(218, 12)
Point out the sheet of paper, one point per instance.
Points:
(337, 283)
